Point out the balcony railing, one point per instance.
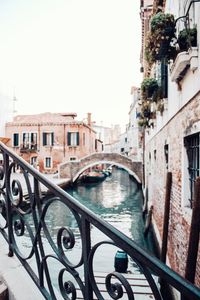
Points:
(25, 148)
(29, 222)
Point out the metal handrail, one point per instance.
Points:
(17, 225)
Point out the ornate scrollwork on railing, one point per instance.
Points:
(60, 256)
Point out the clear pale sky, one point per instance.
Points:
(71, 56)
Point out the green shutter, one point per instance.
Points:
(95, 144)
(69, 138)
(77, 138)
(16, 139)
(52, 138)
(44, 138)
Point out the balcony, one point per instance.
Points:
(28, 148)
(185, 60)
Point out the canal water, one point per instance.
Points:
(118, 200)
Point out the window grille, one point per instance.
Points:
(192, 147)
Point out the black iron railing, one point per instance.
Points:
(28, 221)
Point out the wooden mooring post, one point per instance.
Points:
(166, 217)
(165, 289)
(190, 269)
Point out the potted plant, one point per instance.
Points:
(158, 43)
(161, 107)
(148, 87)
(187, 38)
(143, 122)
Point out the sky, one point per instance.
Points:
(71, 56)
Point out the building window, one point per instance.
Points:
(48, 162)
(33, 161)
(192, 148)
(166, 152)
(29, 140)
(73, 139)
(154, 154)
(16, 140)
(95, 144)
(48, 138)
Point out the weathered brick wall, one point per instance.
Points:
(179, 228)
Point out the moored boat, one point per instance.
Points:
(94, 176)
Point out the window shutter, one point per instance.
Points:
(52, 138)
(77, 138)
(164, 78)
(95, 144)
(32, 137)
(16, 139)
(69, 138)
(44, 138)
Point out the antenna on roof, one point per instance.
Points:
(14, 105)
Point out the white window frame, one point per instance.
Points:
(33, 160)
(45, 165)
(185, 176)
(49, 140)
(29, 133)
(73, 158)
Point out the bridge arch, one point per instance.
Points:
(106, 162)
(73, 169)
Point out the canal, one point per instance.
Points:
(118, 200)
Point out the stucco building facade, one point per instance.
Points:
(48, 139)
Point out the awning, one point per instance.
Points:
(4, 140)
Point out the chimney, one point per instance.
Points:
(89, 119)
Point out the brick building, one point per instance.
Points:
(173, 142)
(48, 139)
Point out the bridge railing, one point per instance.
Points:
(61, 258)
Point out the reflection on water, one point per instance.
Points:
(118, 200)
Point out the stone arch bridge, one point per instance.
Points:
(73, 169)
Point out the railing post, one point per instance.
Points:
(86, 243)
(190, 269)
(8, 204)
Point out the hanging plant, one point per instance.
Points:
(158, 44)
(157, 95)
(143, 123)
(187, 38)
(148, 87)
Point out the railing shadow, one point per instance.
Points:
(59, 268)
